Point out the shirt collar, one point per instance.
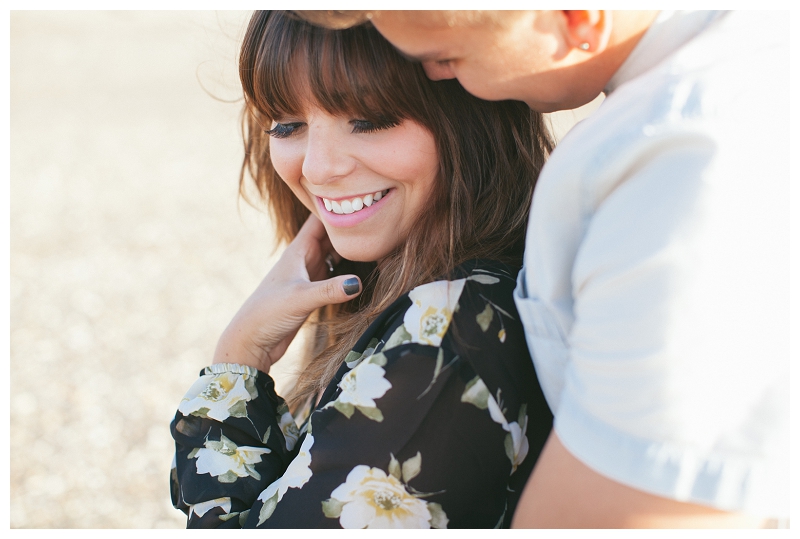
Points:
(670, 31)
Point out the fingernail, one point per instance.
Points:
(350, 286)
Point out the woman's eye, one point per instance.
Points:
(365, 126)
(284, 130)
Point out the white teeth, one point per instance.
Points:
(352, 206)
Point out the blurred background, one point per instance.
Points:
(130, 251)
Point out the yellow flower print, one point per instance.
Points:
(370, 498)
(220, 394)
(433, 305)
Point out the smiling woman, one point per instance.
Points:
(368, 187)
(421, 407)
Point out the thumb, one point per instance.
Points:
(331, 291)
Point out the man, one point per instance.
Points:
(655, 286)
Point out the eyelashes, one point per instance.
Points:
(365, 126)
(285, 130)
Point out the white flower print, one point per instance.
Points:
(361, 386)
(219, 396)
(288, 427)
(369, 498)
(516, 442)
(226, 461)
(364, 384)
(297, 474)
(433, 305)
(202, 508)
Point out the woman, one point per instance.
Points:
(426, 407)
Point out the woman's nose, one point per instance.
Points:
(327, 155)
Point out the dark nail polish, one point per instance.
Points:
(350, 286)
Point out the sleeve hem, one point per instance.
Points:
(235, 368)
(726, 482)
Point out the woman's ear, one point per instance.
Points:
(588, 30)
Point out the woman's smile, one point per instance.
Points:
(351, 210)
(366, 183)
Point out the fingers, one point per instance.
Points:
(331, 291)
(313, 246)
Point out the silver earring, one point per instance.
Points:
(584, 46)
(329, 262)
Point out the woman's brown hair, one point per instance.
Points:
(490, 154)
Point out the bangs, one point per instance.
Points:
(353, 72)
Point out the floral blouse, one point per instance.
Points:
(434, 420)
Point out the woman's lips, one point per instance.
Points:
(353, 210)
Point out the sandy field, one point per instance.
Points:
(130, 251)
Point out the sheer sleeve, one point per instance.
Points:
(233, 437)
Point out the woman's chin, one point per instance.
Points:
(356, 252)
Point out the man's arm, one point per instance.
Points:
(563, 492)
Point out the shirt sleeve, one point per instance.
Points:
(233, 437)
(676, 382)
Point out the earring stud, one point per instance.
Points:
(584, 46)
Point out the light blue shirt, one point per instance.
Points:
(655, 288)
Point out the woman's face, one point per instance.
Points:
(365, 182)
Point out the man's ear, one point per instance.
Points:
(588, 30)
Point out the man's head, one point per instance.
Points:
(552, 60)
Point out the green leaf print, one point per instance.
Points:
(267, 509)
(378, 359)
(239, 409)
(201, 412)
(484, 319)
(394, 468)
(265, 438)
(250, 386)
(476, 393)
(243, 517)
(332, 508)
(400, 336)
(509, 446)
(228, 477)
(412, 467)
(352, 359)
(344, 407)
(372, 413)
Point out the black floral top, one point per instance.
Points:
(434, 420)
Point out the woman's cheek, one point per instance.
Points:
(289, 167)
